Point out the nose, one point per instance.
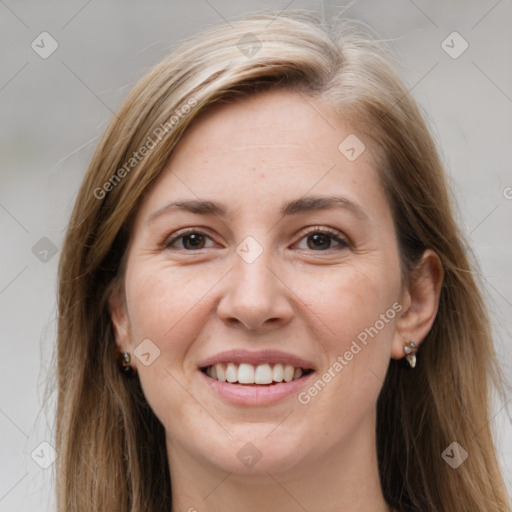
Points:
(255, 295)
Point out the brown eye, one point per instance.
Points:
(190, 241)
(321, 240)
(193, 241)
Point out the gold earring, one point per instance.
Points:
(410, 350)
(126, 367)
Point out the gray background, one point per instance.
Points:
(54, 109)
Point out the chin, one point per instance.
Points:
(258, 450)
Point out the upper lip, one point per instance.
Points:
(255, 358)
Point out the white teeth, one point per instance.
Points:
(221, 374)
(246, 373)
(263, 374)
(278, 375)
(288, 373)
(231, 373)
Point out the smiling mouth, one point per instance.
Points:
(266, 374)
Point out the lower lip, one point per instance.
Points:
(247, 394)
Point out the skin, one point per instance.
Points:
(253, 156)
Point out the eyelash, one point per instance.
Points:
(167, 244)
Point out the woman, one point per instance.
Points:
(265, 302)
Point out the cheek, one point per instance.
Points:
(167, 306)
(353, 300)
(357, 311)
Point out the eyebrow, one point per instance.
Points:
(296, 207)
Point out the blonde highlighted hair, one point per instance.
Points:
(111, 446)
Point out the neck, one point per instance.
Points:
(344, 479)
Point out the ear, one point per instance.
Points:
(119, 317)
(420, 302)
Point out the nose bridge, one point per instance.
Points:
(254, 294)
(252, 266)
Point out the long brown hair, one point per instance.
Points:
(111, 446)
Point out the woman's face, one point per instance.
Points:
(247, 284)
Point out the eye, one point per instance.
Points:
(191, 240)
(320, 239)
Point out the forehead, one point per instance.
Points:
(269, 147)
